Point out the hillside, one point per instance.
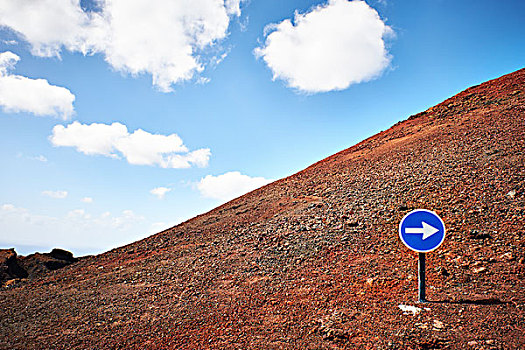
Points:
(314, 261)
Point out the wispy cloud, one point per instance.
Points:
(40, 158)
(76, 229)
(55, 194)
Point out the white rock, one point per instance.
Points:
(408, 308)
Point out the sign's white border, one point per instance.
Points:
(405, 243)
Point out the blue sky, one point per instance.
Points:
(212, 99)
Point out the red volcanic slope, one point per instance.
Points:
(313, 261)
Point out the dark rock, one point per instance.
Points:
(352, 223)
(62, 254)
(13, 266)
(443, 272)
(9, 267)
(403, 207)
(475, 234)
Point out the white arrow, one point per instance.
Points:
(427, 230)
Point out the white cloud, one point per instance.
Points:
(157, 227)
(36, 96)
(78, 214)
(229, 185)
(10, 212)
(143, 148)
(50, 24)
(203, 80)
(121, 222)
(40, 158)
(8, 207)
(55, 194)
(164, 38)
(87, 200)
(198, 157)
(329, 48)
(139, 147)
(160, 192)
(77, 229)
(89, 139)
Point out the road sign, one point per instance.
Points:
(422, 230)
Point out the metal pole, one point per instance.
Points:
(421, 279)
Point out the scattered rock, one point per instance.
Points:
(352, 223)
(507, 256)
(476, 234)
(438, 325)
(11, 282)
(511, 194)
(444, 272)
(409, 308)
(479, 269)
(261, 280)
(403, 207)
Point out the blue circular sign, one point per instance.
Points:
(422, 230)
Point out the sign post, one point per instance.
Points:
(422, 231)
(421, 277)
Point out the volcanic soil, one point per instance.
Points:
(314, 261)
